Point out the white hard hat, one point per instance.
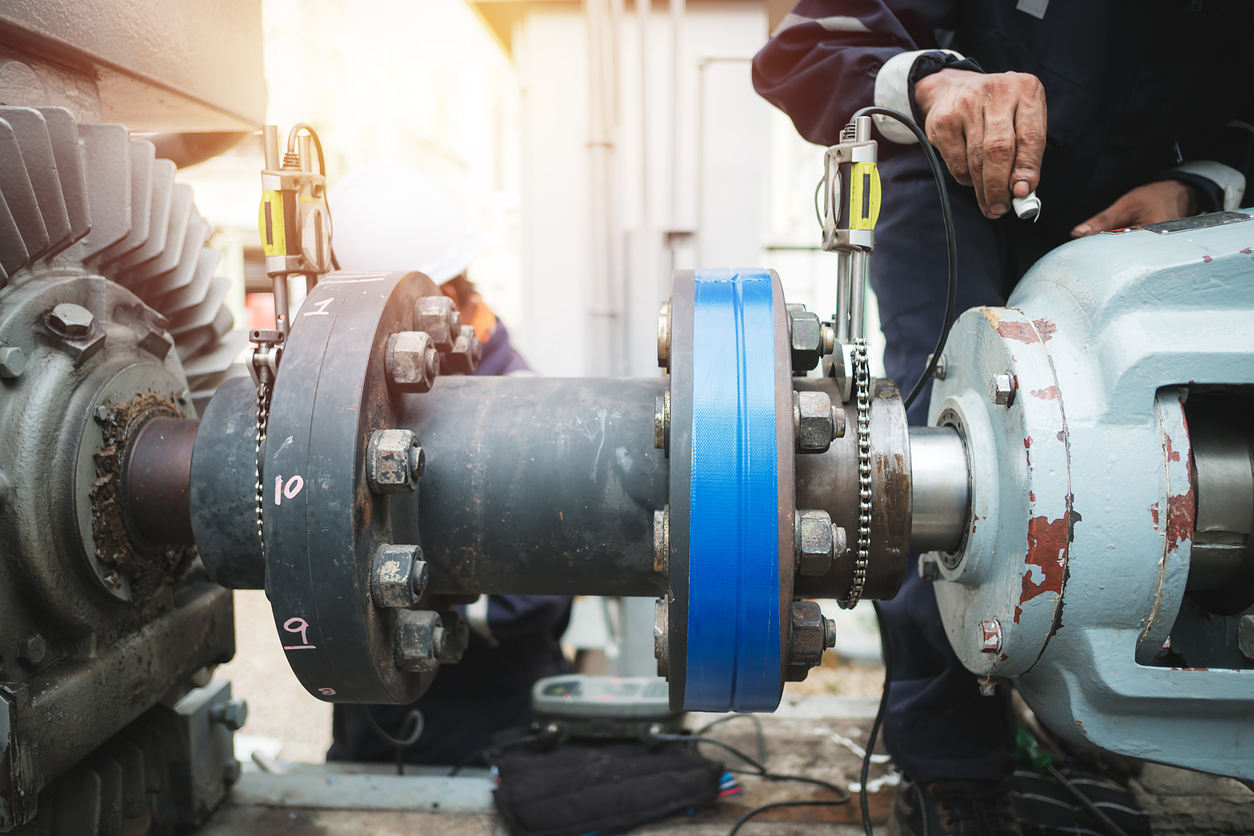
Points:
(388, 216)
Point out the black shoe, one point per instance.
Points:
(963, 808)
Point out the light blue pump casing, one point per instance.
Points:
(1073, 570)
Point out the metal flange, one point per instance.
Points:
(732, 506)
(322, 523)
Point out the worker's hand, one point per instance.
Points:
(989, 128)
(1149, 204)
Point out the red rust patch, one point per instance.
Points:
(1031, 496)
(1027, 442)
(1045, 328)
(1021, 331)
(1180, 511)
(1172, 454)
(1246, 250)
(1207, 259)
(1154, 514)
(1047, 550)
(1049, 394)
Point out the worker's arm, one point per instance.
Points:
(1210, 179)
(829, 58)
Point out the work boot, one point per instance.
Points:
(967, 808)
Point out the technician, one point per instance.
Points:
(1115, 114)
(395, 217)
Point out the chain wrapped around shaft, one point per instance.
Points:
(862, 387)
(263, 416)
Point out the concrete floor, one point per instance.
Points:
(287, 723)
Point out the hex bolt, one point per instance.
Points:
(398, 576)
(70, 320)
(809, 634)
(31, 649)
(1003, 389)
(391, 464)
(1245, 636)
(465, 354)
(662, 421)
(664, 336)
(661, 621)
(828, 333)
(813, 421)
(815, 543)
(990, 636)
(12, 361)
(806, 340)
(840, 542)
(662, 540)
(233, 714)
(438, 317)
(829, 633)
(418, 640)
(411, 361)
(838, 421)
(417, 461)
(929, 567)
(988, 685)
(940, 371)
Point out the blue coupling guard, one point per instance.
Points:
(733, 658)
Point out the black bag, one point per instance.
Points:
(578, 788)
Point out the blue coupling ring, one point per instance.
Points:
(740, 492)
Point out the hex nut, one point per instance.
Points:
(70, 320)
(990, 636)
(805, 338)
(1245, 636)
(411, 361)
(12, 361)
(929, 567)
(661, 620)
(233, 714)
(439, 318)
(398, 577)
(418, 640)
(813, 421)
(390, 461)
(465, 354)
(664, 336)
(815, 543)
(31, 649)
(662, 540)
(662, 422)
(809, 634)
(1003, 389)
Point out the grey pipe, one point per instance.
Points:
(536, 486)
(942, 494)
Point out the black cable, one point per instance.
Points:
(759, 770)
(875, 727)
(400, 745)
(951, 240)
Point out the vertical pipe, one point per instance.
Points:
(859, 264)
(842, 296)
(270, 142)
(677, 10)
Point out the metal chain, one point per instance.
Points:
(862, 381)
(263, 418)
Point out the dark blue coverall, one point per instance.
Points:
(489, 690)
(1132, 89)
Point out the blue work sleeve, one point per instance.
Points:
(821, 63)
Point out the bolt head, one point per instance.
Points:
(412, 362)
(70, 320)
(664, 336)
(417, 640)
(809, 634)
(1245, 636)
(829, 633)
(806, 339)
(465, 354)
(12, 362)
(438, 317)
(661, 539)
(392, 576)
(661, 621)
(838, 421)
(31, 649)
(990, 636)
(815, 543)
(662, 421)
(233, 714)
(1003, 389)
(391, 460)
(814, 421)
(929, 568)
